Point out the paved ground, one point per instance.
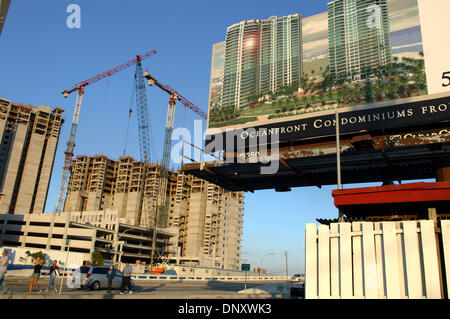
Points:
(142, 289)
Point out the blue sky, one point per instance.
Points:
(40, 57)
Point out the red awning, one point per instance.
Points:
(403, 193)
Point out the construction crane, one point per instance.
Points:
(162, 204)
(79, 87)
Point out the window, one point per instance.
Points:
(84, 270)
(100, 270)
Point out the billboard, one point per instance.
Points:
(379, 63)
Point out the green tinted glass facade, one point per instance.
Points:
(359, 36)
(260, 57)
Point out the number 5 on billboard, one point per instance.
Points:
(446, 75)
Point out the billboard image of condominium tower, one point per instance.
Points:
(260, 56)
(354, 54)
(359, 36)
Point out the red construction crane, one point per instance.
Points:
(162, 204)
(76, 114)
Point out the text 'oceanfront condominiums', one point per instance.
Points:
(359, 36)
(260, 57)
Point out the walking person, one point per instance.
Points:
(36, 274)
(53, 271)
(126, 279)
(110, 275)
(3, 268)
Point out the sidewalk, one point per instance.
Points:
(140, 296)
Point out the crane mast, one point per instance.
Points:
(69, 151)
(144, 144)
(162, 202)
(142, 108)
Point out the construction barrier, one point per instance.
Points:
(376, 260)
(210, 278)
(27, 273)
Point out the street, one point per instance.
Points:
(19, 288)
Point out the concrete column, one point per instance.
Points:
(30, 173)
(50, 232)
(4, 110)
(25, 232)
(5, 224)
(66, 229)
(44, 178)
(12, 169)
(94, 239)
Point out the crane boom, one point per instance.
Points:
(172, 91)
(71, 143)
(109, 72)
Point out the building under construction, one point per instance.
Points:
(29, 137)
(4, 6)
(206, 217)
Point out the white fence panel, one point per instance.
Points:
(324, 262)
(413, 262)
(393, 260)
(445, 230)
(334, 262)
(370, 261)
(311, 262)
(380, 260)
(357, 262)
(345, 256)
(430, 260)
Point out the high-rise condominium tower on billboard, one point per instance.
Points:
(260, 57)
(359, 36)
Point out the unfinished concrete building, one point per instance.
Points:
(207, 218)
(29, 137)
(87, 232)
(4, 6)
(210, 220)
(97, 183)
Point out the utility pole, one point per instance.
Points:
(338, 152)
(338, 158)
(65, 265)
(286, 255)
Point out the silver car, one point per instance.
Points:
(95, 278)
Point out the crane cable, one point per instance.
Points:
(129, 117)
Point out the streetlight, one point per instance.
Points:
(260, 261)
(65, 265)
(245, 281)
